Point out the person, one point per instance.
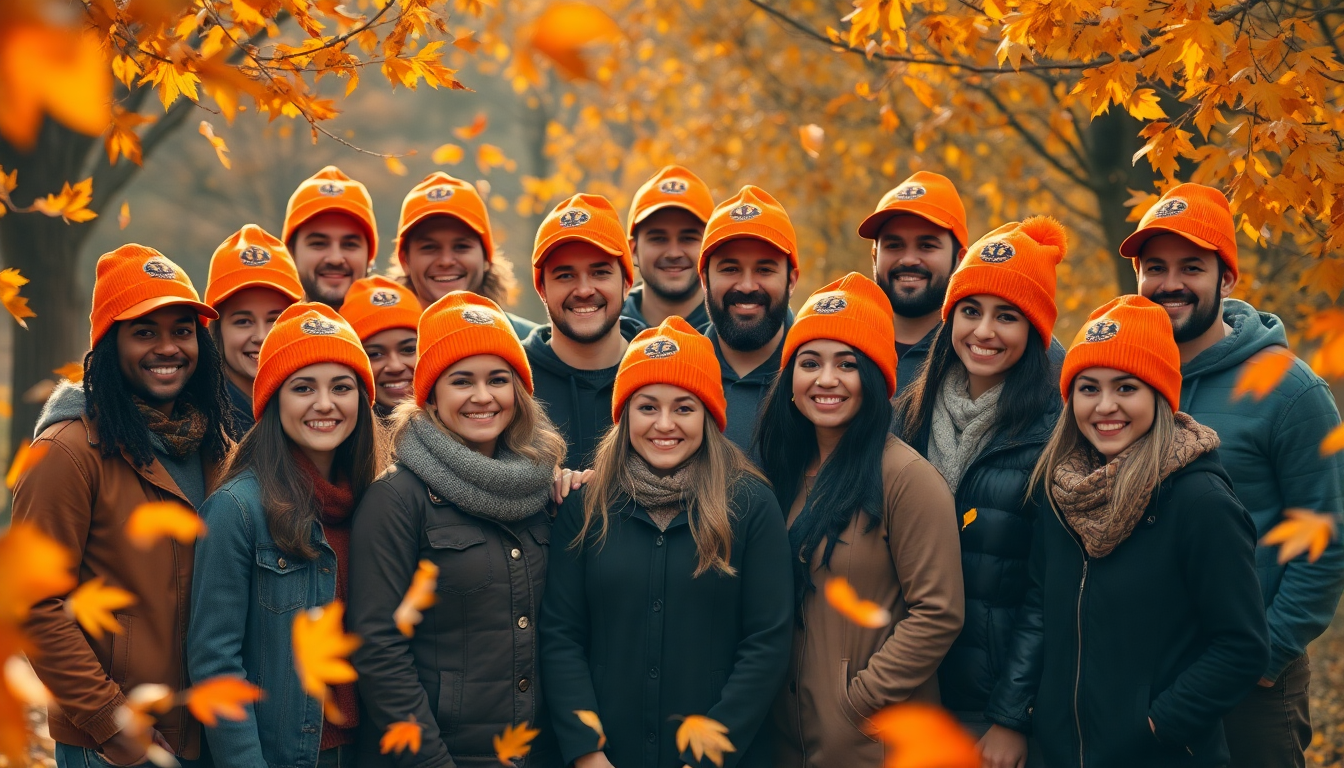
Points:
(331, 232)
(384, 314)
(670, 590)
(469, 495)
(252, 280)
(919, 237)
(444, 244)
(1185, 254)
(749, 265)
(666, 225)
(279, 540)
(981, 409)
(582, 269)
(1143, 623)
(148, 424)
(862, 506)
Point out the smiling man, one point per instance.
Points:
(385, 315)
(331, 233)
(1185, 253)
(666, 226)
(582, 269)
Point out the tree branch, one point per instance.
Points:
(1030, 138)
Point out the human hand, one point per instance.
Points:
(124, 749)
(1002, 748)
(1267, 682)
(593, 760)
(567, 480)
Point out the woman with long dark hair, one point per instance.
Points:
(669, 590)
(980, 411)
(862, 506)
(280, 536)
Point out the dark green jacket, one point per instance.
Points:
(634, 309)
(745, 393)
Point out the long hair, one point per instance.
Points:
(286, 492)
(120, 425)
(1028, 390)
(715, 469)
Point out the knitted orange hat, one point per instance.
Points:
(673, 353)
(672, 187)
(457, 326)
(1198, 213)
(1015, 262)
(251, 258)
(375, 304)
(586, 218)
(1131, 334)
(133, 281)
(331, 190)
(752, 212)
(852, 310)
(930, 196)
(306, 333)
(442, 195)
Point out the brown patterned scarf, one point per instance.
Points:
(182, 434)
(1082, 490)
(661, 496)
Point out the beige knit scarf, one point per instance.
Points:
(660, 495)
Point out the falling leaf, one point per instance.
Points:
(811, 136)
(23, 682)
(564, 28)
(6, 409)
(447, 154)
(24, 459)
(46, 69)
(33, 567)
(322, 649)
(71, 372)
(590, 719)
(418, 597)
(469, 132)
(845, 600)
(401, 736)
(515, 742)
(39, 392)
(1263, 372)
(1333, 442)
(221, 150)
(968, 518)
(467, 43)
(152, 521)
(92, 604)
(704, 736)
(222, 696)
(918, 735)
(489, 156)
(1302, 531)
(124, 217)
(72, 204)
(10, 283)
(136, 716)
(395, 165)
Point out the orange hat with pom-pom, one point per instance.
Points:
(1015, 262)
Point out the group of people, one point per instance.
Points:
(635, 510)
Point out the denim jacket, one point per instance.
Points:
(245, 595)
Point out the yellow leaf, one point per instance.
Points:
(993, 10)
(152, 521)
(968, 518)
(52, 70)
(124, 217)
(71, 204)
(845, 600)
(401, 736)
(590, 719)
(395, 165)
(1333, 442)
(564, 28)
(1143, 105)
(489, 156)
(704, 736)
(477, 127)
(467, 43)
(918, 735)
(221, 150)
(1262, 373)
(811, 136)
(515, 742)
(92, 604)
(25, 458)
(222, 696)
(33, 567)
(322, 649)
(1301, 531)
(418, 597)
(447, 154)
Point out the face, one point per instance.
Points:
(583, 289)
(826, 387)
(989, 336)
(1184, 279)
(331, 252)
(392, 354)
(667, 249)
(319, 407)
(748, 283)
(1112, 408)
(667, 425)
(442, 255)
(475, 399)
(913, 259)
(158, 353)
(244, 320)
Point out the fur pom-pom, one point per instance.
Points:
(1046, 230)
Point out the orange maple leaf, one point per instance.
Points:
(33, 566)
(55, 70)
(152, 521)
(477, 127)
(1302, 530)
(489, 156)
(72, 372)
(221, 149)
(322, 650)
(514, 742)
(845, 600)
(447, 154)
(1262, 373)
(222, 696)
(10, 283)
(92, 604)
(419, 596)
(705, 736)
(72, 204)
(24, 459)
(124, 217)
(590, 719)
(921, 735)
(401, 736)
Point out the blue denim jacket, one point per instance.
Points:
(245, 594)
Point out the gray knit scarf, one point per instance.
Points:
(960, 426)
(506, 488)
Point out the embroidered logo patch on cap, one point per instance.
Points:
(744, 212)
(574, 218)
(1170, 208)
(477, 317)
(673, 187)
(254, 256)
(438, 194)
(911, 192)
(997, 252)
(829, 305)
(317, 326)
(1102, 330)
(331, 190)
(660, 348)
(385, 298)
(158, 268)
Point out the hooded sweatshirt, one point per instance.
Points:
(698, 318)
(745, 393)
(1271, 449)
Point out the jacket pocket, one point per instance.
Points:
(449, 707)
(118, 667)
(852, 714)
(282, 581)
(542, 535)
(462, 557)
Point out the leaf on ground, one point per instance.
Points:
(846, 601)
(152, 521)
(918, 735)
(322, 649)
(92, 604)
(223, 696)
(477, 127)
(401, 736)
(24, 459)
(10, 283)
(1262, 373)
(221, 149)
(514, 742)
(590, 719)
(705, 737)
(1302, 530)
(419, 596)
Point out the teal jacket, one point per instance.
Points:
(1271, 450)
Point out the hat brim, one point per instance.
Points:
(652, 209)
(158, 302)
(426, 216)
(872, 226)
(560, 238)
(1132, 245)
(707, 250)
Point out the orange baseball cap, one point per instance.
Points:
(1131, 334)
(1015, 262)
(672, 187)
(305, 334)
(442, 195)
(752, 212)
(673, 353)
(251, 258)
(852, 310)
(586, 218)
(331, 190)
(133, 281)
(930, 196)
(1198, 213)
(457, 326)
(375, 304)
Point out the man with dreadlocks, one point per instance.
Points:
(148, 425)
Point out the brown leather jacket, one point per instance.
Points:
(83, 500)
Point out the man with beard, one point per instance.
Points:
(666, 226)
(749, 265)
(582, 269)
(146, 425)
(1185, 253)
(330, 230)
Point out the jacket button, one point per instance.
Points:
(658, 542)
(281, 562)
(1151, 519)
(522, 622)
(657, 605)
(515, 553)
(653, 672)
(651, 737)
(524, 684)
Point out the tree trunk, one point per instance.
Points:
(1112, 140)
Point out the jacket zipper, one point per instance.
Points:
(1078, 623)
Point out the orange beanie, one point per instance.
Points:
(458, 326)
(930, 196)
(1198, 213)
(752, 212)
(673, 353)
(442, 195)
(251, 258)
(852, 310)
(1015, 262)
(133, 281)
(306, 333)
(586, 218)
(1131, 334)
(672, 187)
(375, 304)
(331, 190)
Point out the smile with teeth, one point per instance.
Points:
(395, 384)
(828, 399)
(910, 278)
(1109, 427)
(665, 442)
(584, 310)
(984, 351)
(481, 415)
(321, 425)
(165, 370)
(446, 278)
